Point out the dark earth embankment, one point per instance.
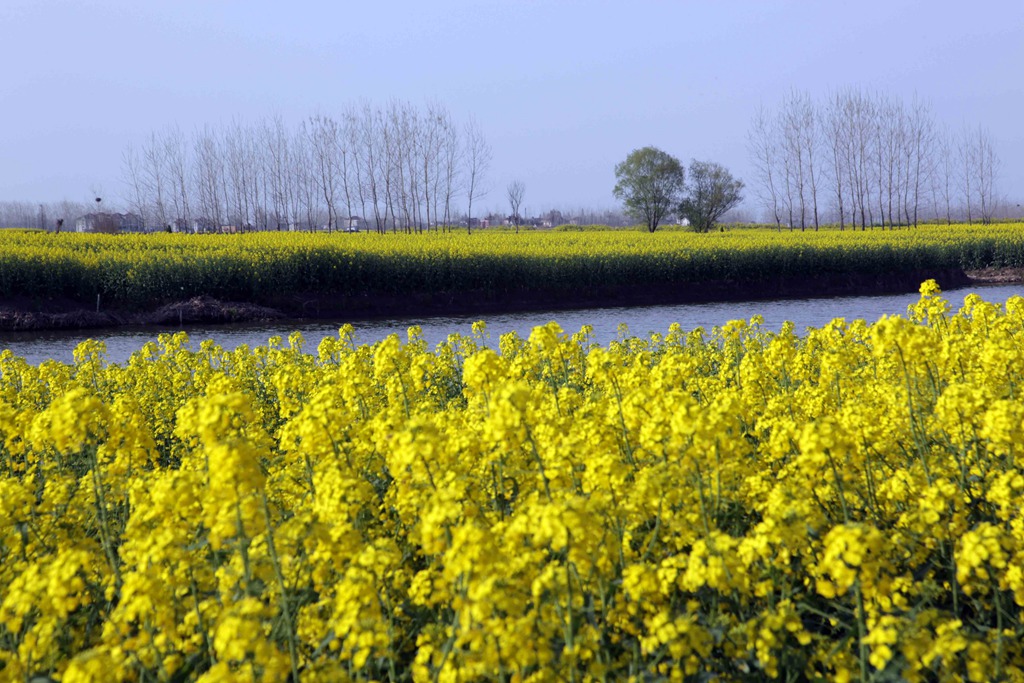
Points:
(24, 313)
(53, 314)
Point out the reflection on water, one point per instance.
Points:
(122, 342)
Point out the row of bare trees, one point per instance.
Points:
(42, 215)
(865, 159)
(388, 167)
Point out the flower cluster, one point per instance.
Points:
(734, 505)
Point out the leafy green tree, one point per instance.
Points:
(711, 192)
(650, 183)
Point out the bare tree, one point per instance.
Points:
(390, 166)
(408, 149)
(942, 177)
(792, 123)
(763, 150)
(177, 160)
(264, 165)
(515, 192)
(132, 177)
(451, 160)
(885, 155)
(276, 142)
(986, 166)
(209, 179)
(355, 160)
(800, 145)
(836, 144)
(307, 208)
(810, 140)
(348, 169)
(324, 137)
(793, 195)
(239, 166)
(155, 178)
(921, 152)
(399, 163)
(478, 161)
(369, 143)
(860, 113)
(880, 158)
(21, 214)
(434, 128)
(967, 157)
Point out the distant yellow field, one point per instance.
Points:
(141, 270)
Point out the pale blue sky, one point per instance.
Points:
(562, 90)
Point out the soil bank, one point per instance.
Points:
(31, 314)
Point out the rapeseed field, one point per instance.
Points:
(140, 271)
(733, 505)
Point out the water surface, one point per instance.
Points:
(37, 346)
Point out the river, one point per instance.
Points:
(37, 347)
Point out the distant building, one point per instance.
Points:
(110, 222)
(204, 224)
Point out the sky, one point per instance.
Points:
(563, 90)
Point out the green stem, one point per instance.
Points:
(861, 634)
(101, 512)
(285, 608)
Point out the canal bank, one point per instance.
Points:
(28, 313)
